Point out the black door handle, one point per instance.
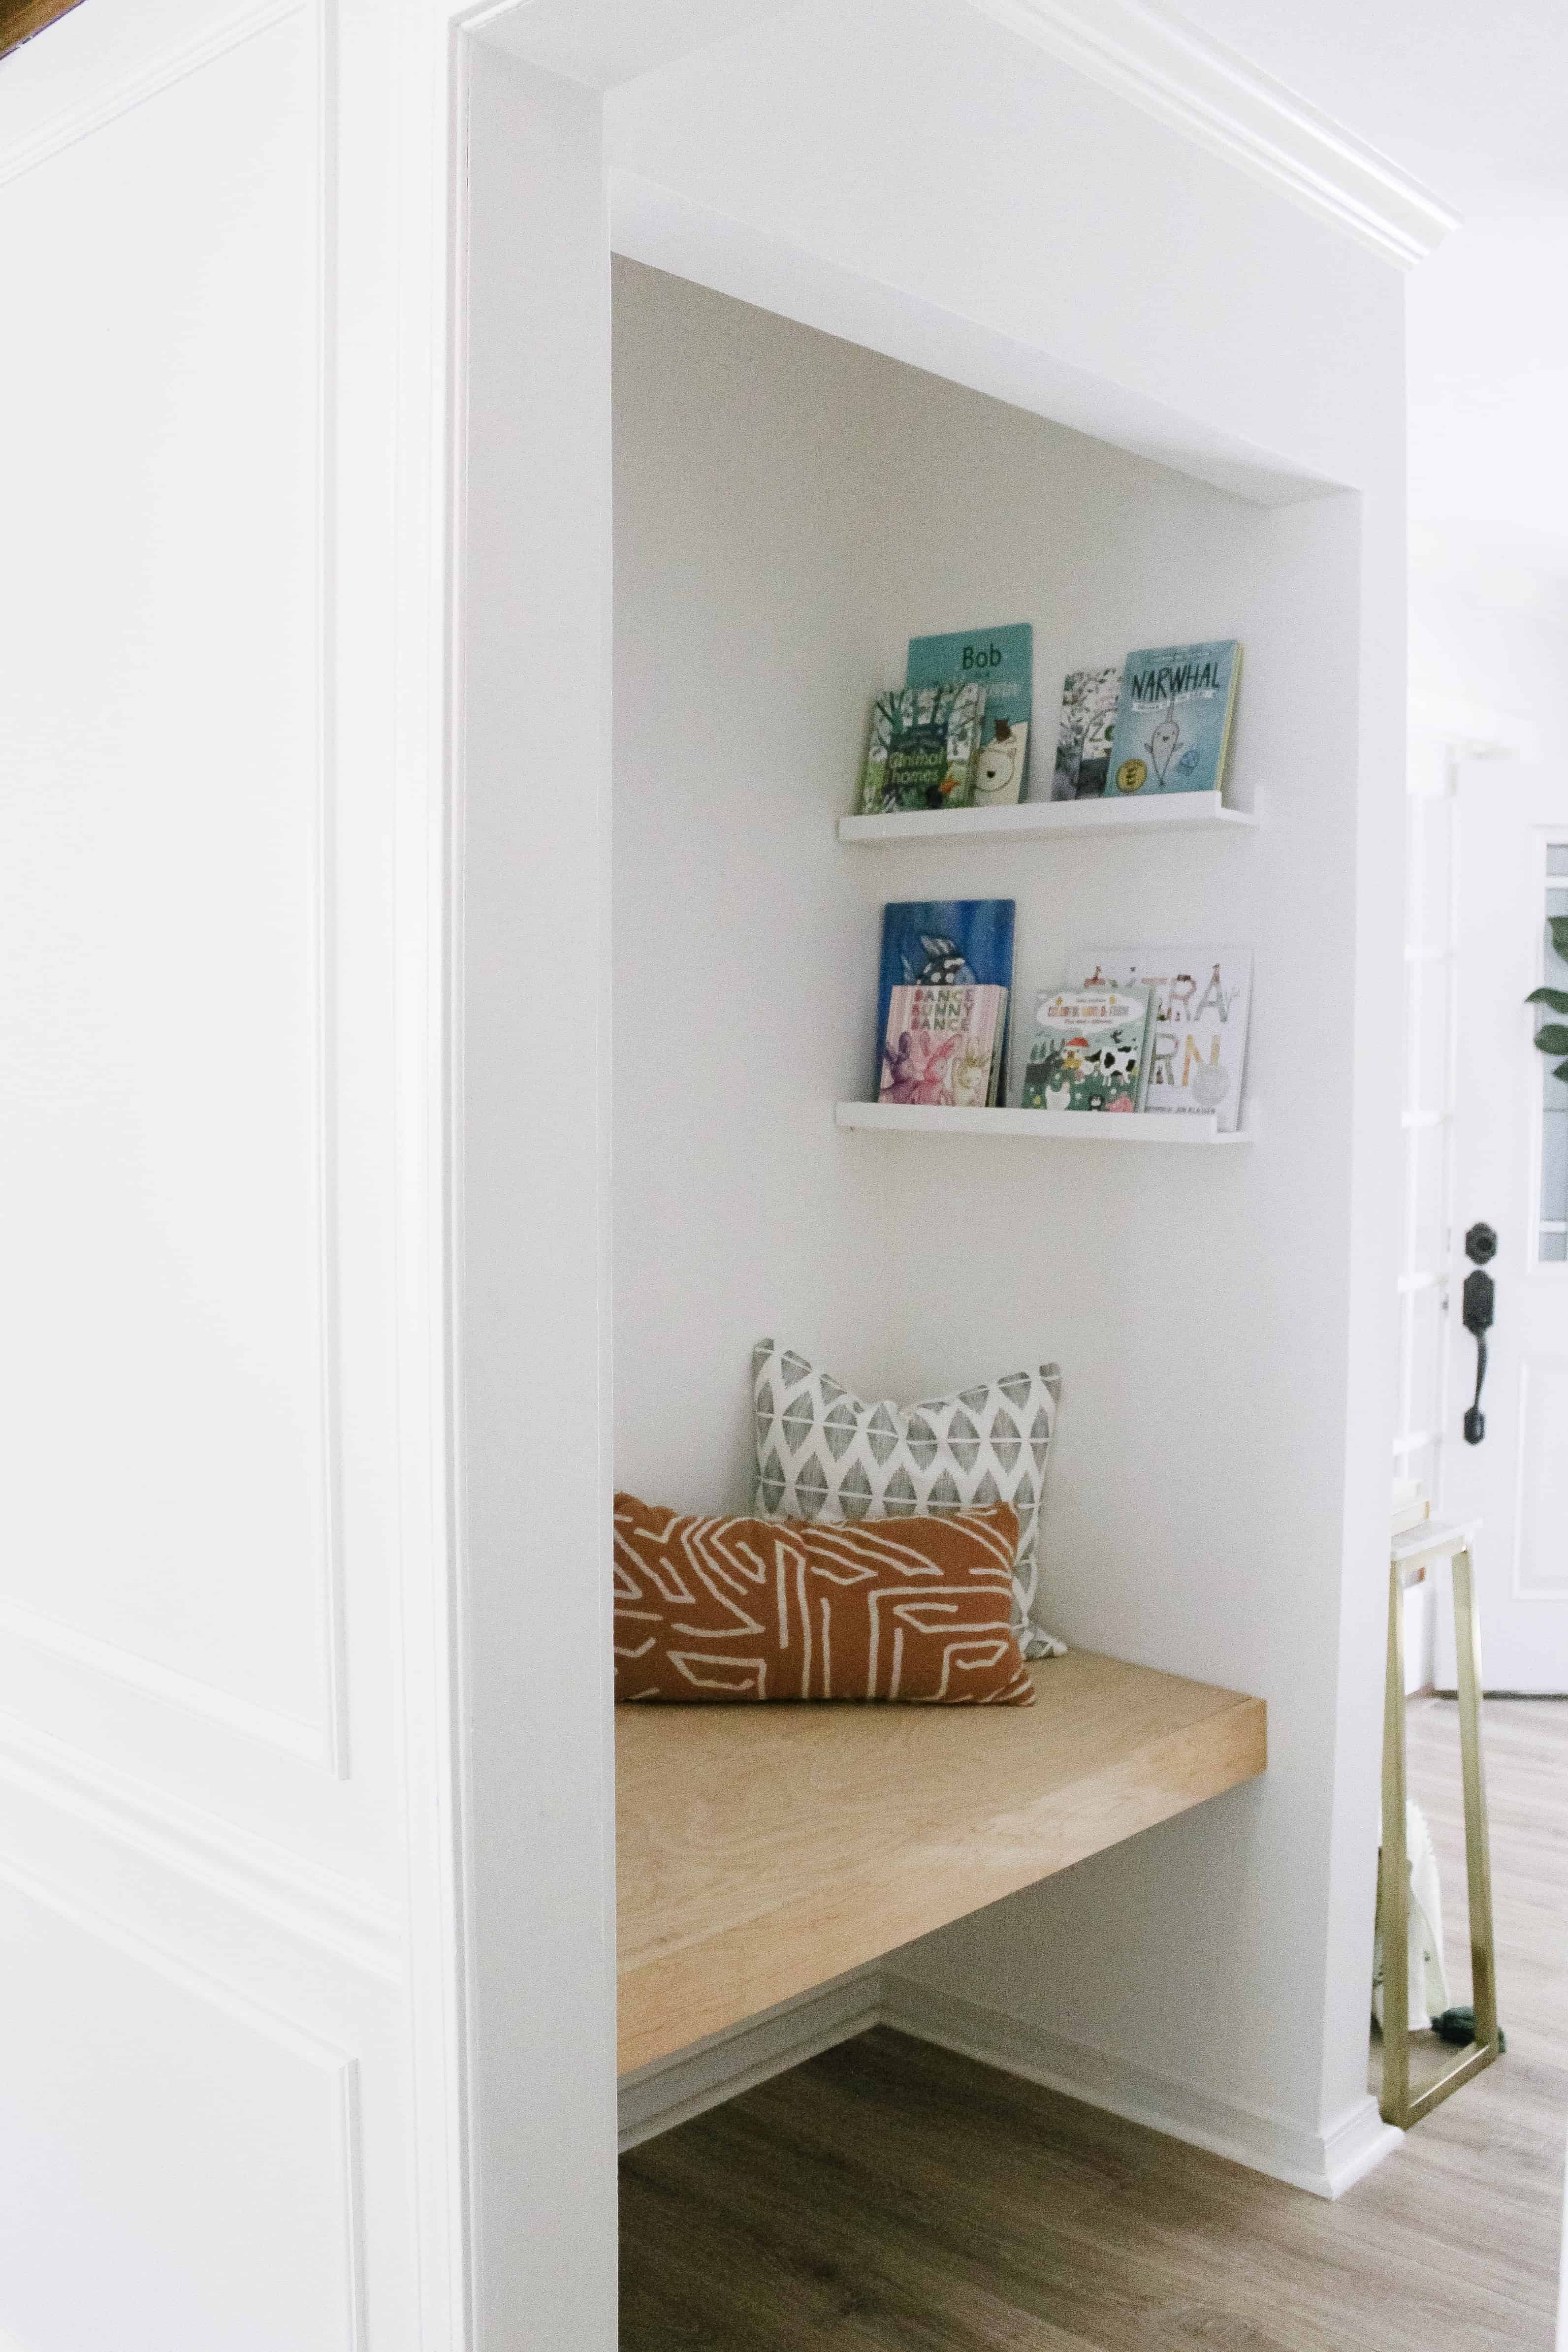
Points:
(1479, 1303)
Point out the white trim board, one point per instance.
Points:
(1325, 2164)
(1146, 52)
(672, 2090)
(1150, 56)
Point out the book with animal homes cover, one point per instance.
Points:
(1002, 662)
(1089, 1050)
(943, 942)
(1172, 720)
(1088, 722)
(1202, 997)
(943, 1046)
(923, 743)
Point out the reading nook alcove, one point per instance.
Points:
(790, 508)
(1081, 383)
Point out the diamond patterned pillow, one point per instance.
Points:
(823, 1454)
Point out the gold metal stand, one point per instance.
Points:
(1414, 1553)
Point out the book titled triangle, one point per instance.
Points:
(1172, 719)
(943, 1046)
(1089, 1050)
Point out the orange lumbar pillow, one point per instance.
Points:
(916, 1608)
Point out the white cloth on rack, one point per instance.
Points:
(1428, 1984)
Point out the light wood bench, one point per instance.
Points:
(763, 1850)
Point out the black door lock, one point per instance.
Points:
(1479, 1305)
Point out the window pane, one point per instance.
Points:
(1557, 857)
(1555, 1167)
(1553, 1249)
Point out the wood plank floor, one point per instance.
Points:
(889, 2197)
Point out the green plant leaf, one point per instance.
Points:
(1552, 1039)
(1561, 1071)
(1558, 927)
(1556, 998)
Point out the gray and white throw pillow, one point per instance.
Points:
(823, 1454)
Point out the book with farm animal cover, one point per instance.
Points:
(943, 1046)
(1001, 662)
(1172, 722)
(1088, 722)
(923, 743)
(1089, 1050)
(1202, 996)
(943, 942)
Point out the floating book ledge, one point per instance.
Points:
(1184, 1128)
(1205, 811)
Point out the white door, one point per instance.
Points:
(1511, 1172)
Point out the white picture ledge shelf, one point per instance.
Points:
(1203, 812)
(1186, 1128)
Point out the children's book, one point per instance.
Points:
(923, 743)
(943, 942)
(1089, 1050)
(1089, 699)
(943, 1046)
(1172, 722)
(1202, 997)
(1001, 662)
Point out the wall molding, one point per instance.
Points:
(123, 90)
(341, 2066)
(352, 1922)
(1153, 58)
(114, 1663)
(1324, 2163)
(672, 2090)
(125, 81)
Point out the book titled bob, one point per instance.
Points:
(1172, 720)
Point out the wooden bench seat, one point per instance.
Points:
(763, 1850)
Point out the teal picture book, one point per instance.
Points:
(1172, 722)
(1089, 1050)
(1002, 662)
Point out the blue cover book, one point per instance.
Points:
(1002, 661)
(944, 943)
(1173, 722)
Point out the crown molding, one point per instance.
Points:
(1154, 59)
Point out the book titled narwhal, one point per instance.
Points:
(1173, 722)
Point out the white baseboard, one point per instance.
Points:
(673, 2090)
(1325, 2164)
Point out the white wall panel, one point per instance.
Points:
(179, 2171)
(163, 1018)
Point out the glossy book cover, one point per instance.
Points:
(1002, 662)
(943, 942)
(1198, 1050)
(924, 740)
(1172, 722)
(1088, 1051)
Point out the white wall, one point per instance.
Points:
(789, 510)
